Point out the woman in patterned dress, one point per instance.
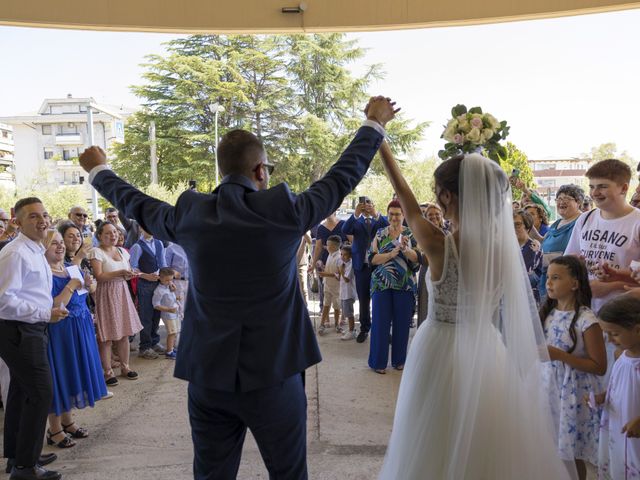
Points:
(393, 287)
(116, 315)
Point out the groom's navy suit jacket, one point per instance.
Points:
(246, 325)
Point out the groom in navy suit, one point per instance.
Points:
(363, 225)
(246, 335)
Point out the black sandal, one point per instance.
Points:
(64, 443)
(130, 375)
(78, 433)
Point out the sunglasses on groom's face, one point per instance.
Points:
(268, 166)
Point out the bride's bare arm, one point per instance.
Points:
(429, 237)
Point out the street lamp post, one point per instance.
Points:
(94, 193)
(216, 108)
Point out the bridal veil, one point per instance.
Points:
(483, 374)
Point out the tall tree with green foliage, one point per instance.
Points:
(295, 92)
(610, 150)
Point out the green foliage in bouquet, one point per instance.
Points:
(472, 131)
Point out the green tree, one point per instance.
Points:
(517, 159)
(608, 150)
(58, 202)
(419, 175)
(295, 92)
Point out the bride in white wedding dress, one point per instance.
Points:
(472, 404)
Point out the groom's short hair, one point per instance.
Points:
(238, 151)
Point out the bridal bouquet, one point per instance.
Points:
(474, 131)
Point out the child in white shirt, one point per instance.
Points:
(348, 292)
(166, 301)
(330, 277)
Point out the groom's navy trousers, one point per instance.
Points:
(276, 416)
(246, 335)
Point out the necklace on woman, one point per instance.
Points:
(58, 269)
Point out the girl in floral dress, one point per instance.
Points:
(619, 457)
(578, 356)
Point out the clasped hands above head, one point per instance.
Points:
(381, 109)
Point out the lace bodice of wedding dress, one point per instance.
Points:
(443, 293)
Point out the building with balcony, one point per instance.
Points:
(7, 166)
(47, 143)
(550, 175)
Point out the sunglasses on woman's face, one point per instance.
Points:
(83, 215)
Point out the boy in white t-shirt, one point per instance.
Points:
(610, 233)
(166, 301)
(348, 292)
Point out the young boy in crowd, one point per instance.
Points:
(608, 237)
(347, 291)
(166, 301)
(331, 280)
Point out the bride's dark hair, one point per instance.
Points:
(447, 177)
(577, 270)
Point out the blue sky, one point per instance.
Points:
(564, 85)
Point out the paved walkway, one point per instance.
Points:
(142, 433)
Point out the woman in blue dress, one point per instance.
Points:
(73, 352)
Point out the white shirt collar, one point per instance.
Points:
(35, 247)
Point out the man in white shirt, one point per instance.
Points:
(611, 232)
(25, 310)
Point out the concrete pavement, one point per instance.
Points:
(143, 431)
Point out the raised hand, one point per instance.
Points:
(380, 109)
(92, 157)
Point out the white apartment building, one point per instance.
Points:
(552, 174)
(7, 167)
(48, 142)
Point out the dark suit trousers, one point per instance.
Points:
(276, 416)
(363, 287)
(149, 316)
(23, 347)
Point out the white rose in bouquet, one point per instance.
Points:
(463, 123)
(474, 135)
(493, 121)
(487, 133)
(450, 130)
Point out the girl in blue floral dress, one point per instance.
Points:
(578, 358)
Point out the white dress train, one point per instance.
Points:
(477, 415)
